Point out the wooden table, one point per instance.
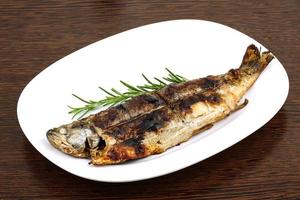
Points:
(35, 34)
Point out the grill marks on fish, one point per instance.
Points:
(129, 149)
(210, 98)
(136, 128)
(127, 111)
(210, 83)
(194, 106)
(130, 136)
(174, 92)
(151, 123)
(155, 120)
(110, 117)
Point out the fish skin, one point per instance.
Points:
(110, 117)
(129, 110)
(185, 110)
(174, 92)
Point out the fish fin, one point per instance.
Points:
(252, 55)
(265, 59)
(204, 128)
(241, 106)
(255, 61)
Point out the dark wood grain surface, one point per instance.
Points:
(34, 34)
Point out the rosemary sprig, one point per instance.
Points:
(115, 97)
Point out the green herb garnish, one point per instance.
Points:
(115, 97)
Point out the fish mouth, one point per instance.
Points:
(54, 138)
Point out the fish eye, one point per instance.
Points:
(101, 144)
(63, 131)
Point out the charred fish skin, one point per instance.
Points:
(174, 92)
(80, 137)
(131, 138)
(158, 131)
(143, 127)
(129, 110)
(191, 113)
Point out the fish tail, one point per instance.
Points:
(254, 61)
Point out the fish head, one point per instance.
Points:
(74, 139)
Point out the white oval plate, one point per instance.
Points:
(193, 48)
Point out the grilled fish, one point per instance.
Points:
(151, 123)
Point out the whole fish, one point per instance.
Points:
(151, 123)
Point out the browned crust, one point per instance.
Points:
(124, 127)
(130, 136)
(209, 97)
(130, 149)
(127, 111)
(175, 92)
(178, 99)
(150, 122)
